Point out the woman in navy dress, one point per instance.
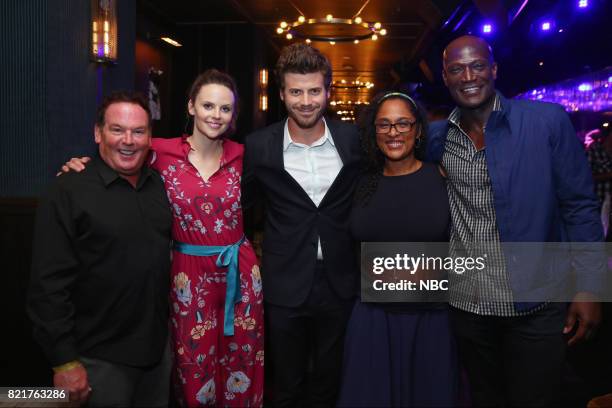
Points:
(399, 354)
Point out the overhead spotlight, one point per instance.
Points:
(383, 31)
(546, 25)
(487, 29)
(171, 41)
(279, 30)
(308, 41)
(329, 17)
(283, 24)
(377, 25)
(583, 3)
(374, 37)
(289, 36)
(356, 41)
(358, 20)
(607, 124)
(541, 63)
(301, 19)
(585, 87)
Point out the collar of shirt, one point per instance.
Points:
(109, 175)
(455, 116)
(288, 141)
(231, 151)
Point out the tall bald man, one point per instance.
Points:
(516, 173)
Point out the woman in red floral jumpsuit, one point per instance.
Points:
(216, 305)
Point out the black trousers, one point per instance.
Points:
(118, 385)
(513, 361)
(304, 348)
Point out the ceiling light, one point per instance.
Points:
(171, 41)
(364, 31)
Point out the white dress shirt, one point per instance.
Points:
(314, 167)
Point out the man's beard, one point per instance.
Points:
(308, 123)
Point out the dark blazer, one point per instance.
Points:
(293, 222)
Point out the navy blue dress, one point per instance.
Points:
(401, 355)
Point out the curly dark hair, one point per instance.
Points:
(300, 58)
(373, 159)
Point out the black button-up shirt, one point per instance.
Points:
(100, 269)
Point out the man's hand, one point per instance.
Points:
(586, 312)
(75, 164)
(75, 382)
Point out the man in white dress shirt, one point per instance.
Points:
(305, 168)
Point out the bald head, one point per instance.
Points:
(469, 72)
(467, 42)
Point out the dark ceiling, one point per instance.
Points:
(418, 30)
(528, 57)
(411, 25)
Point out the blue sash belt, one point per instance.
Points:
(228, 257)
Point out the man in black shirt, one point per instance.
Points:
(100, 275)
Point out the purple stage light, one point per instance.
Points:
(591, 92)
(583, 3)
(546, 26)
(487, 28)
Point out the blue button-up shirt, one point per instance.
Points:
(542, 191)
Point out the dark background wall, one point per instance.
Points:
(50, 88)
(23, 126)
(238, 48)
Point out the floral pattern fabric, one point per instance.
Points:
(210, 368)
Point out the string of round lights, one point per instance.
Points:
(344, 84)
(349, 102)
(360, 30)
